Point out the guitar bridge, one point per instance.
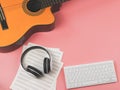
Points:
(3, 19)
(4, 24)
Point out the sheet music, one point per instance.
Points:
(55, 51)
(26, 81)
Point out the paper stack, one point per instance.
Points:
(26, 81)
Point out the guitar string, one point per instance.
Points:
(46, 3)
(52, 2)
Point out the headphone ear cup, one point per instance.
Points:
(46, 65)
(34, 71)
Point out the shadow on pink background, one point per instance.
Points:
(86, 31)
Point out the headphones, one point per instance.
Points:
(47, 66)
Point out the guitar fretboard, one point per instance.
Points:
(47, 3)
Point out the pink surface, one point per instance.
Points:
(86, 31)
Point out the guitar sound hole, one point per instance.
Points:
(34, 5)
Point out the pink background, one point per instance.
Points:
(86, 31)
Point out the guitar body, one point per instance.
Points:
(22, 23)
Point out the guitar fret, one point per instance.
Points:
(51, 3)
(44, 3)
(47, 3)
(54, 2)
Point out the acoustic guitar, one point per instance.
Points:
(21, 18)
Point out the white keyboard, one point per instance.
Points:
(90, 74)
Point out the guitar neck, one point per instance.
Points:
(47, 3)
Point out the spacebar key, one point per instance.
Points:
(89, 83)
